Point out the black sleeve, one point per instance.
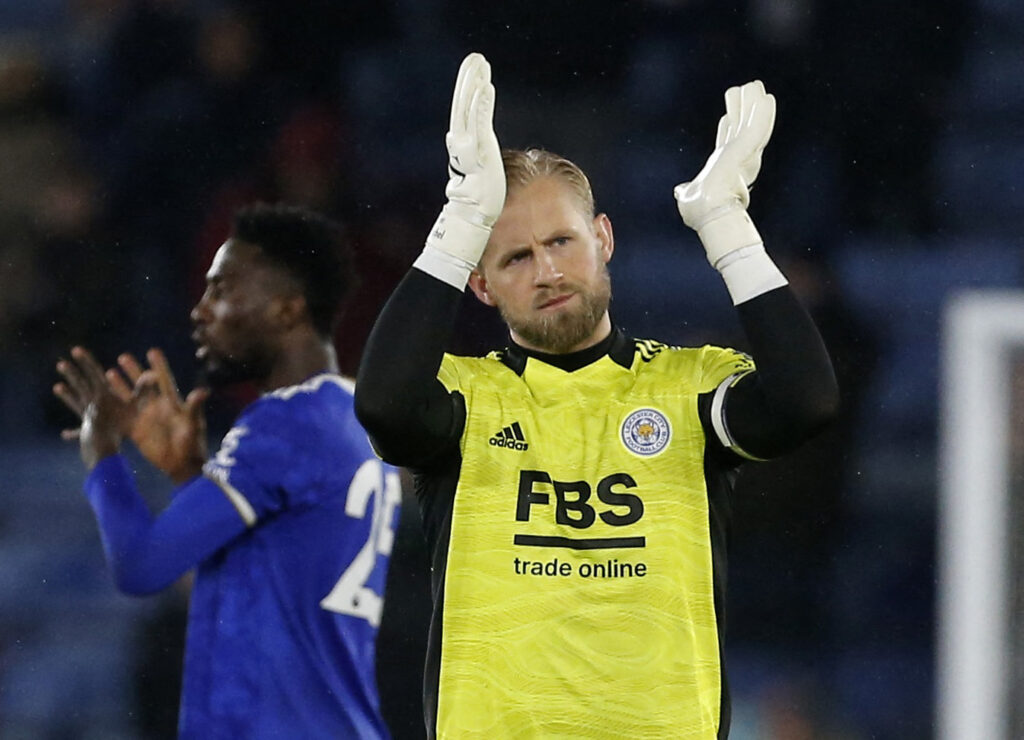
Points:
(793, 394)
(408, 413)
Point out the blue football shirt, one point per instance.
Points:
(283, 617)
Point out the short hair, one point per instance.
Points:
(523, 166)
(307, 246)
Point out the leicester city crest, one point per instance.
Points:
(646, 432)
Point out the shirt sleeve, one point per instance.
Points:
(267, 462)
(721, 369)
(790, 397)
(412, 418)
(146, 553)
(721, 365)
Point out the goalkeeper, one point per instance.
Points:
(575, 485)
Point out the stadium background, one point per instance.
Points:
(130, 129)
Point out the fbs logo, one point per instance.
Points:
(510, 437)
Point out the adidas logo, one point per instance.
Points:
(510, 437)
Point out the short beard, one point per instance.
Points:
(220, 372)
(564, 331)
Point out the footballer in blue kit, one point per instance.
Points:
(289, 526)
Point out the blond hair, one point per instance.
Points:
(523, 166)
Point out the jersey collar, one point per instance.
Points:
(616, 345)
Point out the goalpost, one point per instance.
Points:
(980, 631)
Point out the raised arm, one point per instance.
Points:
(793, 394)
(145, 553)
(409, 414)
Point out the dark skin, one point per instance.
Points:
(252, 324)
(169, 432)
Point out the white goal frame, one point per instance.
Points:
(981, 332)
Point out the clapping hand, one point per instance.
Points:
(169, 432)
(146, 407)
(714, 203)
(106, 417)
(476, 179)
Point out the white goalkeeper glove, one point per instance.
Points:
(476, 179)
(715, 202)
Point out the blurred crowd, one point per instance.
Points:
(130, 130)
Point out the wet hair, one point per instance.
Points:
(523, 166)
(306, 246)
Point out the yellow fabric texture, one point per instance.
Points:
(607, 629)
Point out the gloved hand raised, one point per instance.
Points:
(714, 203)
(476, 179)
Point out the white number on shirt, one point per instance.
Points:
(350, 594)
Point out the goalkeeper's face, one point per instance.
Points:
(545, 269)
(237, 321)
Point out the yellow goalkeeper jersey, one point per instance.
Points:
(579, 588)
